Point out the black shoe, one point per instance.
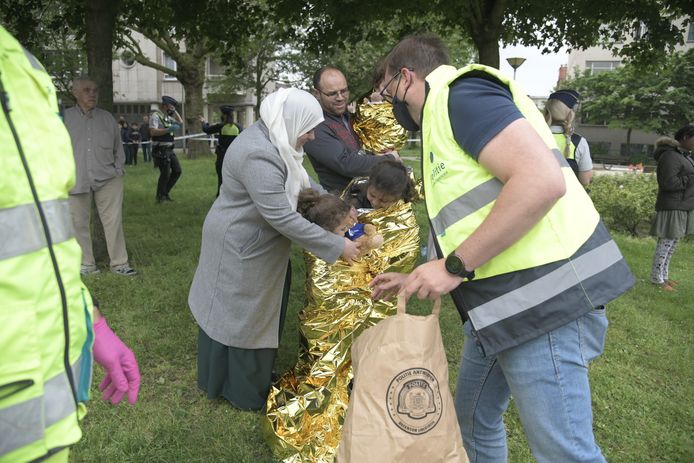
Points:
(160, 199)
(168, 198)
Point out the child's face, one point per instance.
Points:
(378, 199)
(345, 225)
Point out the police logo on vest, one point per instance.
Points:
(414, 401)
(437, 170)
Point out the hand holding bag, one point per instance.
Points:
(401, 409)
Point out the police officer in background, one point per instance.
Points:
(163, 123)
(227, 131)
(49, 328)
(560, 114)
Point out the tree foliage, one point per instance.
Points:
(51, 33)
(188, 32)
(549, 24)
(656, 98)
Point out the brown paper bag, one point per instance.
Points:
(401, 409)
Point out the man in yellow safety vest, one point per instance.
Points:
(520, 247)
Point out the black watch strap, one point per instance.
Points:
(455, 266)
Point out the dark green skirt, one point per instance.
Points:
(241, 376)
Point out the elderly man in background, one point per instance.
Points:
(336, 153)
(99, 159)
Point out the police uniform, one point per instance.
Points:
(227, 133)
(163, 151)
(578, 153)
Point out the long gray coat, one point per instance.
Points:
(237, 288)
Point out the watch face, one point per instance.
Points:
(454, 265)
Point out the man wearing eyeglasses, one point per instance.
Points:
(336, 153)
(521, 249)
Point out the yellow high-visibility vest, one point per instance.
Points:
(45, 315)
(536, 284)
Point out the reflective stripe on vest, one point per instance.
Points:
(21, 231)
(531, 302)
(472, 201)
(534, 293)
(24, 423)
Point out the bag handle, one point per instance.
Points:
(436, 310)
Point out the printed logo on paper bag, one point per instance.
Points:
(414, 400)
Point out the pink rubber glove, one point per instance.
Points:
(122, 372)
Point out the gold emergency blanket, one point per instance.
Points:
(306, 407)
(377, 128)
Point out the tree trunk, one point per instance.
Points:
(488, 50)
(484, 23)
(628, 151)
(191, 74)
(100, 22)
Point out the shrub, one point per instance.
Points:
(626, 202)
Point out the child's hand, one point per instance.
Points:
(351, 250)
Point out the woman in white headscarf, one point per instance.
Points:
(240, 288)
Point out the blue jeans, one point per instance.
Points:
(548, 378)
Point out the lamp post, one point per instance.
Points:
(515, 64)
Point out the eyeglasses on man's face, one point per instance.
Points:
(384, 92)
(344, 93)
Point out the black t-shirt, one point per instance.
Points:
(479, 109)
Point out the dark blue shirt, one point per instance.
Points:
(478, 110)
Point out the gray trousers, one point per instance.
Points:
(109, 206)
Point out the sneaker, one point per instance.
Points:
(89, 270)
(124, 270)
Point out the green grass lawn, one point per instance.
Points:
(642, 385)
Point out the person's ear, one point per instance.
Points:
(315, 93)
(407, 77)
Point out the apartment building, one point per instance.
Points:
(606, 143)
(136, 88)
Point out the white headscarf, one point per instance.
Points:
(289, 113)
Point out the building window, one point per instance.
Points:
(637, 149)
(215, 69)
(690, 34)
(640, 31)
(596, 67)
(599, 148)
(131, 112)
(127, 58)
(170, 63)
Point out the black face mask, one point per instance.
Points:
(402, 115)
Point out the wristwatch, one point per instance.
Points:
(455, 266)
